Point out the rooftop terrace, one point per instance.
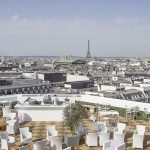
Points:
(38, 130)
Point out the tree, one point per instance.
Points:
(73, 114)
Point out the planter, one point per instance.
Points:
(71, 140)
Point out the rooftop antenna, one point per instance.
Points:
(65, 54)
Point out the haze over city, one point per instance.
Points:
(74, 74)
(36, 27)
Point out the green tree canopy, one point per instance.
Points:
(73, 114)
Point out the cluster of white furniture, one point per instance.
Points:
(12, 122)
(26, 138)
(12, 128)
(56, 141)
(102, 136)
(99, 138)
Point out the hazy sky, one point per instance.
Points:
(51, 27)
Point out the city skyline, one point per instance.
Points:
(118, 28)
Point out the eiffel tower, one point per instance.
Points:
(88, 55)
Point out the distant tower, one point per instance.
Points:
(88, 55)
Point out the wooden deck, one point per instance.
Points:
(38, 130)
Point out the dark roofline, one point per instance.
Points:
(77, 82)
(22, 86)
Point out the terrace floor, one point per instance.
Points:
(38, 130)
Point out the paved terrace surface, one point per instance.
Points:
(38, 130)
